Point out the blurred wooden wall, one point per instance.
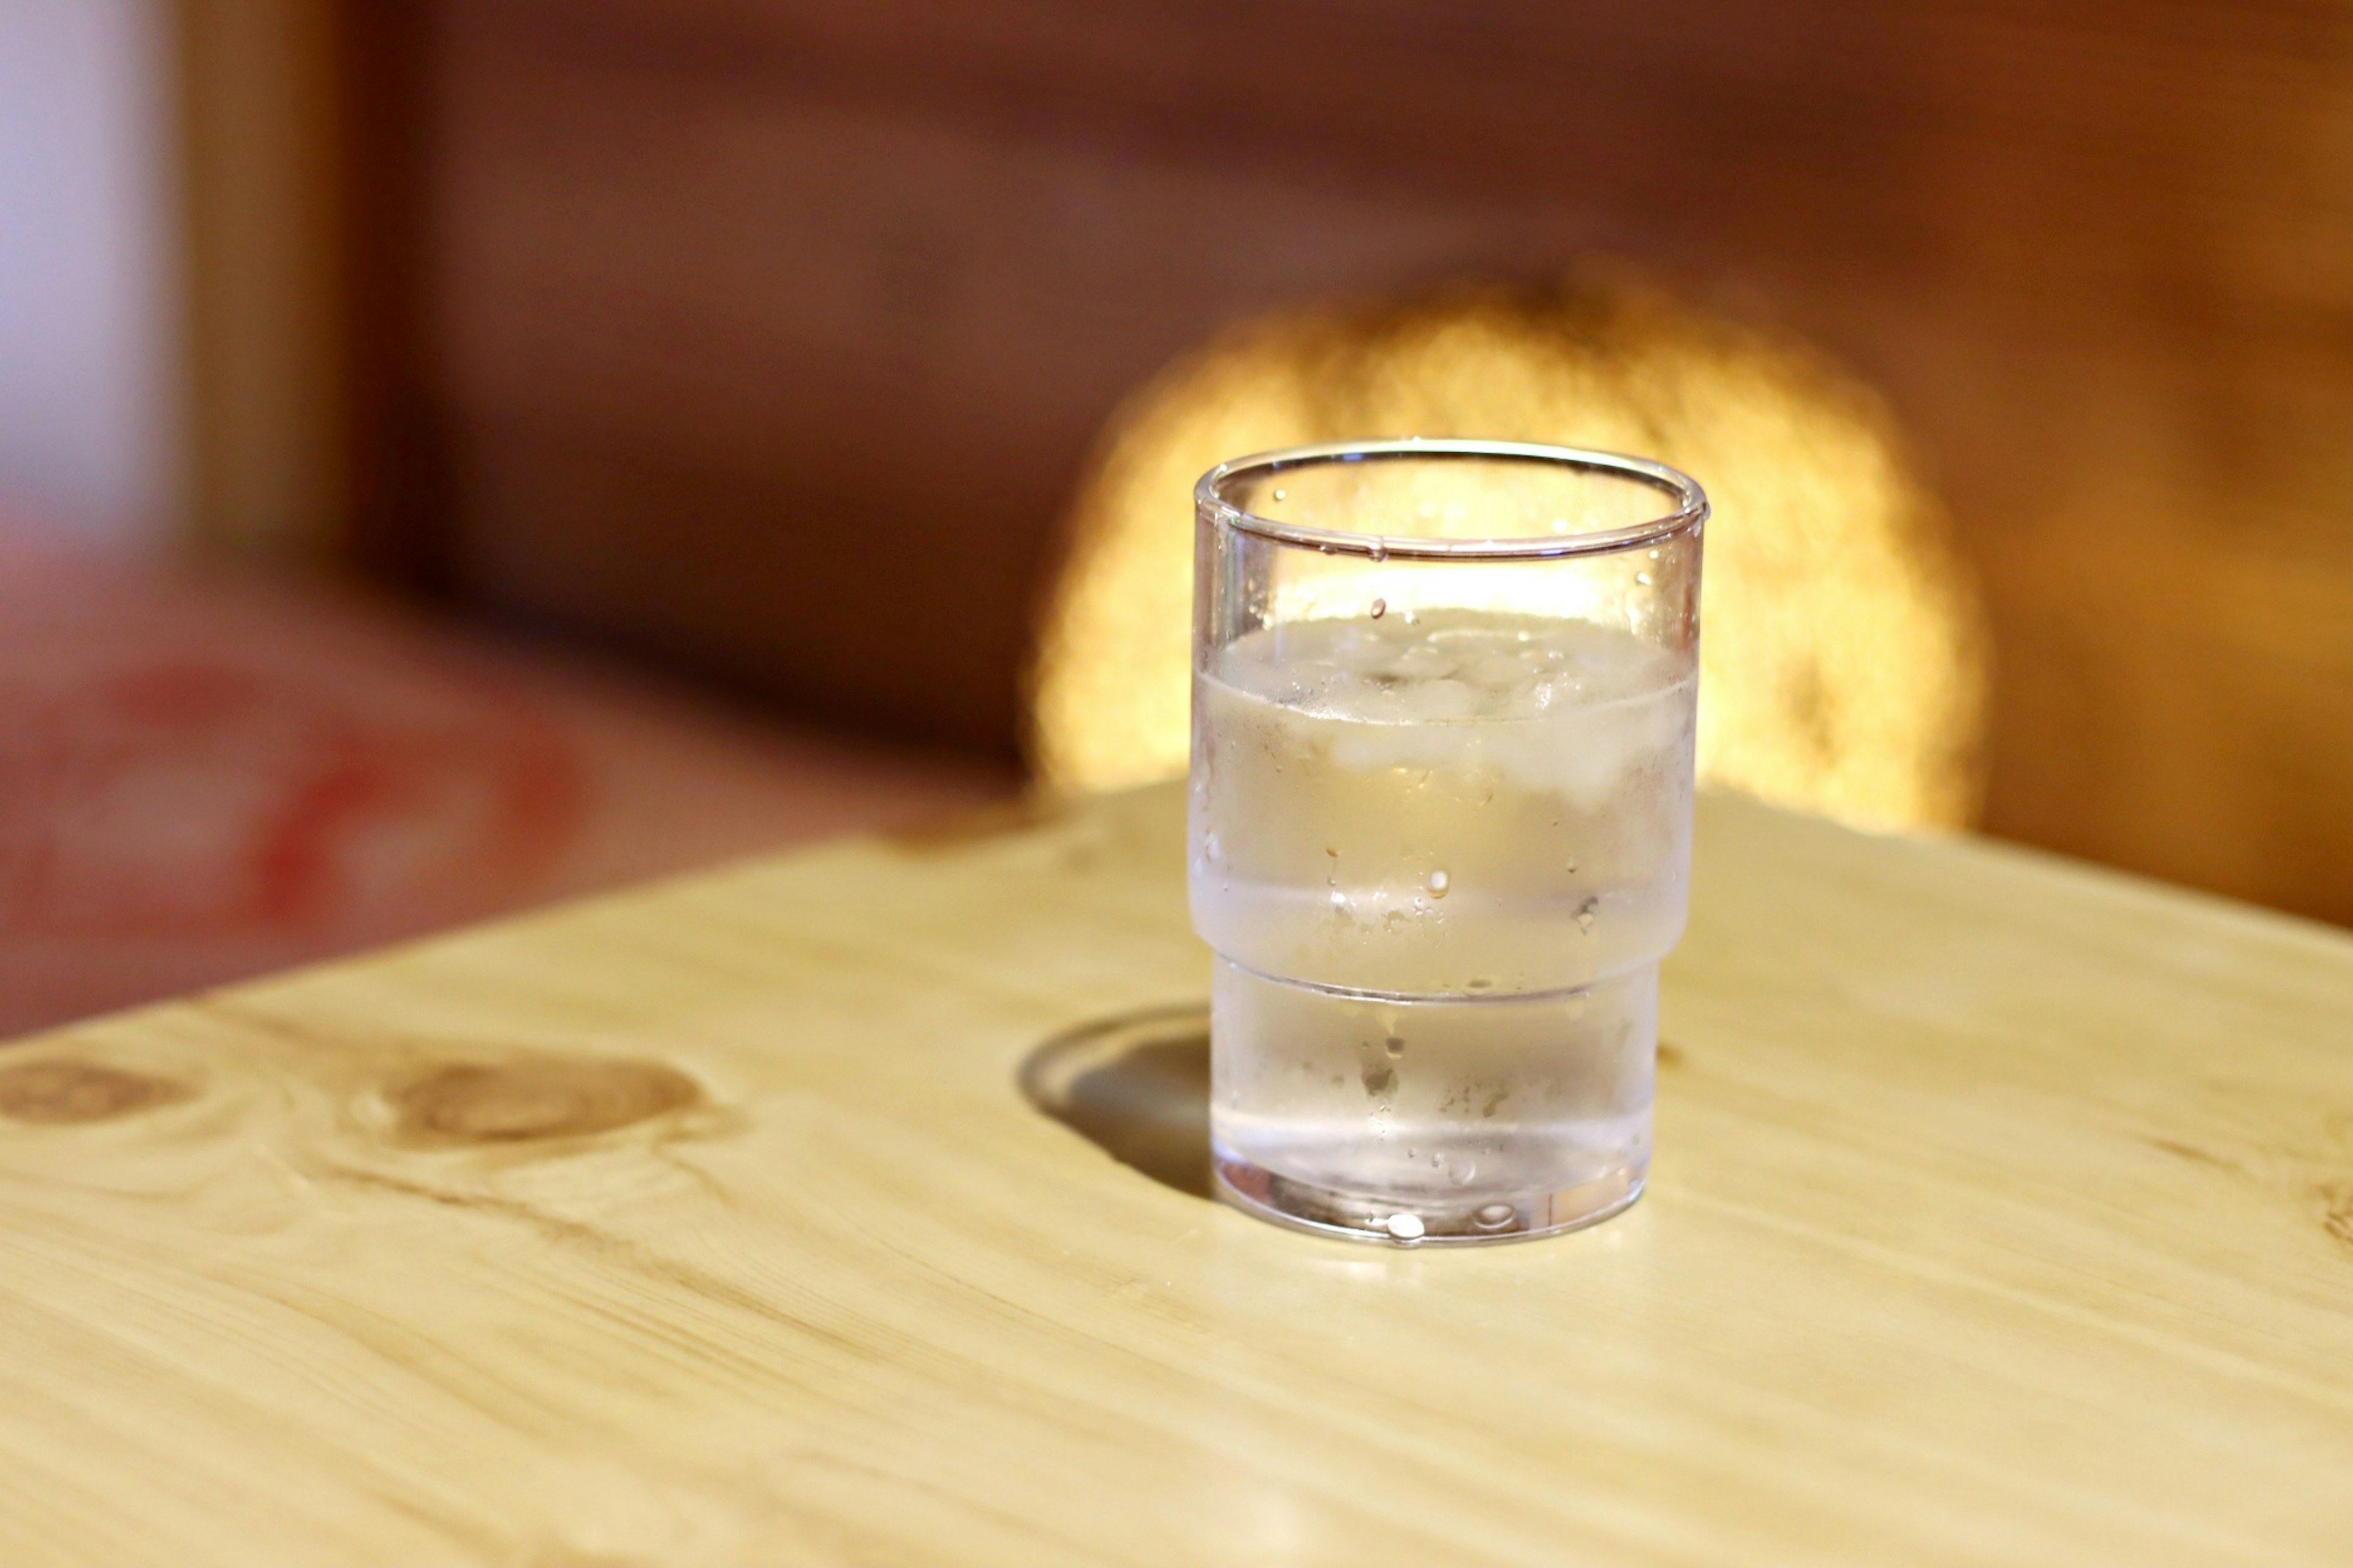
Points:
(263, 196)
(768, 333)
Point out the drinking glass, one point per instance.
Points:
(1439, 826)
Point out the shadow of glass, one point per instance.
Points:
(1137, 1085)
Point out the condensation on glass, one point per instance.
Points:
(1439, 826)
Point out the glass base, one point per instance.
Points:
(1358, 1216)
(1431, 1119)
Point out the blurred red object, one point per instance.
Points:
(202, 781)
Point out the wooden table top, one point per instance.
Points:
(846, 1208)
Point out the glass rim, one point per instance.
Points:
(1691, 510)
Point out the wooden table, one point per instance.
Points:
(845, 1208)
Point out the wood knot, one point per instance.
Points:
(59, 1093)
(2337, 1213)
(534, 1099)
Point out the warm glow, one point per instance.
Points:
(1842, 664)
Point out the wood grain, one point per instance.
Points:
(2003, 1213)
(771, 332)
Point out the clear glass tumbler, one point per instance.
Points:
(1439, 826)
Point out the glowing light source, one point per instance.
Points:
(1843, 655)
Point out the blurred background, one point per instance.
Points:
(455, 453)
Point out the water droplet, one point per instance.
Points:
(1643, 578)
(1394, 1044)
(1210, 846)
(1278, 495)
(1405, 1226)
(1411, 618)
(1328, 849)
(1438, 883)
(1571, 868)
(1585, 912)
(1654, 555)
(1492, 1216)
(1380, 608)
(1379, 1077)
(1478, 985)
(1380, 551)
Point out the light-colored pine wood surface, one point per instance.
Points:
(2003, 1213)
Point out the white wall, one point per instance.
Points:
(88, 377)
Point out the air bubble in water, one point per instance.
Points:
(1380, 608)
(1438, 883)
